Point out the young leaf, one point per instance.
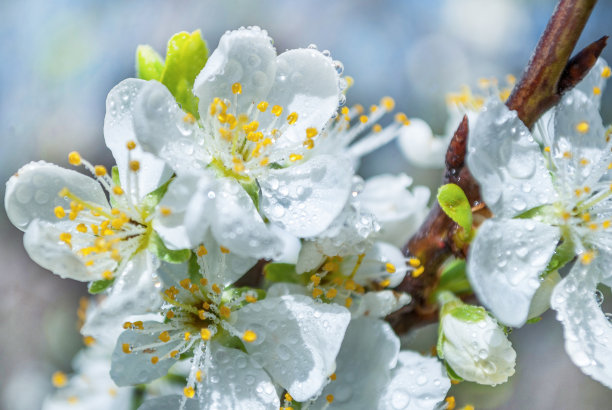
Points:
(185, 58)
(151, 200)
(282, 272)
(99, 285)
(157, 247)
(149, 64)
(455, 204)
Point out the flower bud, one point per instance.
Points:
(474, 345)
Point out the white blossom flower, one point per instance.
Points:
(372, 373)
(556, 190)
(474, 345)
(242, 346)
(72, 229)
(398, 211)
(419, 144)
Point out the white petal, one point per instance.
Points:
(420, 146)
(33, 192)
(119, 129)
(238, 226)
(169, 402)
(507, 162)
(244, 56)
(380, 304)
(417, 383)
(541, 299)
(162, 129)
(505, 263)
(305, 198)
(364, 364)
(136, 367)
(309, 258)
(297, 340)
(132, 293)
(589, 156)
(236, 381)
(374, 265)
(223, 268)
(593, 80)
(587, 331)
(283, 289)
(42, 243)
(190, 199)
(307, 84)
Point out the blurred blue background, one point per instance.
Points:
(60, 58)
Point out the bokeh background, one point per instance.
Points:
(60, 58)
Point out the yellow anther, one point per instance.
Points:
(288, 397)
(373, 108)
(358, 108)
(138, 324)
(216, 289)
(330, 266)
(115, 255)
(584, 162)
(596, 90)
(277, 110)
(316, 292)
(329, 398)
(154, 359)
(264, 161)
(202, 251)
(205, 333)
(377, 128)
(414, 262)
(63, 192)
(582, 127)
(225, 312)
(315, 280)
(238, 165)
(164, 336)
(107, 275)
(237, 88)
(309, 144)
(249, 336)
(224, 249)
(212, 109)
(188, 391)
(134, 165)
(605, 224)
(350, 285)
(73, 400)
(593, 226)
(250, 299)
(385, 283)
(205, 306)
(587, 189)
(262, 106)
(578, 192)
(363, 119)
(605, 73)
(185, 283)
(586, 217)
(450, 403)
(222, 118)
(100, 170)
(267, 141)
(587, 257)
(348, 302)
(89, 341)
(251, 127)
(547, 149)
(59, 379)
(117, 190)
(389, 267)
(198, 376)
(65, 237)
(165, 211)
(170, 314)
(418, 272)
(126, 348)
(388, 103)
(225, 134)
(331, 293)
(203, 281)
(127, 325)
(344, 110)
(130, 145)
(567, 154)
(311, 132)
(292, 118)
(59, 212)
(189, 118)
(202, 314)
(74, 158)
(295, 157)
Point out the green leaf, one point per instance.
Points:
(185, 58)
(149, 64)
(193, 268)
(455, 204)
(453, 278)
(283, 272)
(100, 285)
(534, 319)
(562, 256)
(469, 313)
(157, 247)
(150, 201)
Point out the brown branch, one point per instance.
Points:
(547, 76)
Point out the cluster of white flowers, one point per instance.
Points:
(263, 170)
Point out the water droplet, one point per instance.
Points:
(599, 297)
(400, 399)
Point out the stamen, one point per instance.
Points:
(59, 379)
(582, 127)
(249, 336)
(74, 158)
(189, 392)
(59, 212)
(130, 145)
(100, 170)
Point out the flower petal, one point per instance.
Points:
(223, 268)
(235, 381)
(304, 199)
(170, 402)
(359, 383)
(587, 330)
(42, 243)
(507, 162)
(244, 56)
(307, 84)
(164, 130)
(136, 367)
(380, 304)
(417, 383)
(33, 192)
(297, 340)
(309, 258)
(238, 226)
(119, 129)
(420, 146)
(594, 83)
(505, 263)
(375, 264)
